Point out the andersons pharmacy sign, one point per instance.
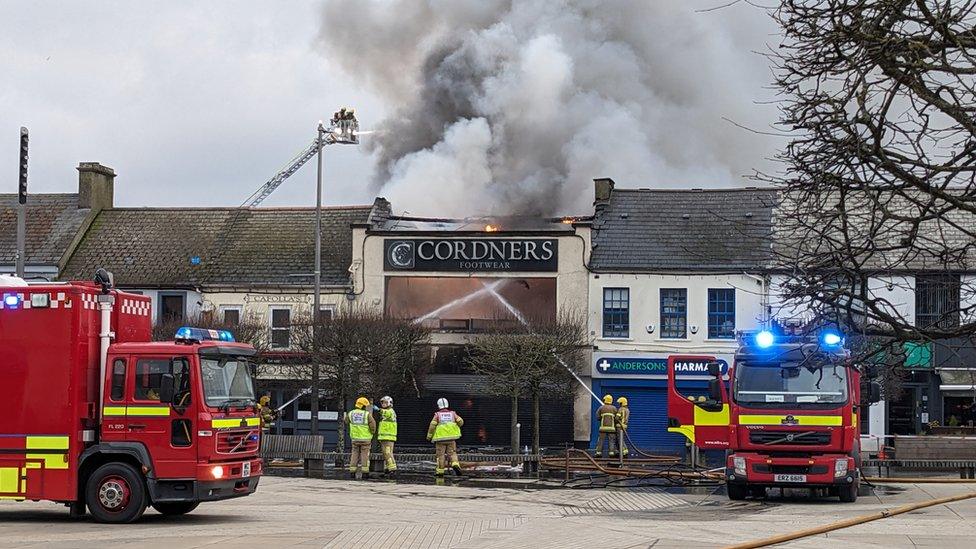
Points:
(471, 254)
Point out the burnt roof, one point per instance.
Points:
(677, 230)
(53, 220)
(168, 247)
(499, 224)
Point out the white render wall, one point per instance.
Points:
(645, 310)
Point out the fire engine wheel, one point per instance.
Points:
(737, 491)
(175, 507)
(116, 493)
(848, 494)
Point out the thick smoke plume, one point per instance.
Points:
(513, 107)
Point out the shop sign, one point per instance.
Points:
(471, 254)
(655, 366)
(277, 298)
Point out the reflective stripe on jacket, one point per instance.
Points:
(448, 426)
(388, 424)
(359, 425)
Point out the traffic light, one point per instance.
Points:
(23, 165)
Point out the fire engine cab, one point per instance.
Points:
(788, 418)
(98, 416)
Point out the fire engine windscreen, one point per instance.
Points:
(227, 381)
(775, 384)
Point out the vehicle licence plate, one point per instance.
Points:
(789, 478)
(246, 469)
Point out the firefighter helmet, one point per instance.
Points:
(362, 402)
(608, 399)
(442, 403)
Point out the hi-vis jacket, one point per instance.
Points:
(361, 425)
(388, 424)
(445, 426)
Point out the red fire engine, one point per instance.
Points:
(96, 415)
(789, 418)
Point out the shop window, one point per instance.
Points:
(280, 328)
(721, 313)
(118, 379)
(326, 314)
(937, 301)
(674, 313)
(616, 312)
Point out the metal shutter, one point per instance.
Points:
(648, 402)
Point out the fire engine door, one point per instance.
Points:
(703, 419)
(167, 429)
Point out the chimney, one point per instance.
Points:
(96, 186)
(603, 187)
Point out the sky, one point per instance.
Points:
(199, 103)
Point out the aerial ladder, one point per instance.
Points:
(343, 129)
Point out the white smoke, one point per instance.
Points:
(513, 107)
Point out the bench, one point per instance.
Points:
(305, 448)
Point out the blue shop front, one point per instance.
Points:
(643, 379)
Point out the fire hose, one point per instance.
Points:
(850, 522)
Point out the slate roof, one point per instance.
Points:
(52, 222)
(159, 247)
(678, 230)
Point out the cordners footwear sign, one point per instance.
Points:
(471, 254)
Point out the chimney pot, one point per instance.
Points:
(603, 186)
(96, 186)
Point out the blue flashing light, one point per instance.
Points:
(203, 334)
(765, 339)
(831, 339)
(11, 300)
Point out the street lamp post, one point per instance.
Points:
(342, 129)
(317, 274)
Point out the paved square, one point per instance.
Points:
(297, 512)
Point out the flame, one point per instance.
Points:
(491, 228)
(569, 220)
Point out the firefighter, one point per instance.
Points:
(623, 416)
(267, 413)
(387, 434)
(444, 431)
(606, 415)
(361, 428)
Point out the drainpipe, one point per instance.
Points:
(763, 296)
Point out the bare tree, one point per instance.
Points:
(879, 100)
(361, 352)
(530, 361)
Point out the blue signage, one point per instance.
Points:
(655, 366)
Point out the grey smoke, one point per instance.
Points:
(513, 107)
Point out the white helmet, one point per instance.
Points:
(442, 403)
(387, 399)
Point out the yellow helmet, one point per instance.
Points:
(608, 399)
(265, 400)
(362, 402)
(622, 401)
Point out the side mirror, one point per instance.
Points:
(714, 369)
(715, 389)
(167, 388)
(874, 392)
